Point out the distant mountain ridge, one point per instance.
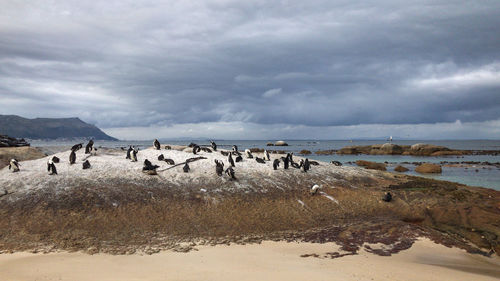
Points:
(49, 128)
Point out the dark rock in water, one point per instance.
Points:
(401, 169)
(281, 143)
(6, 141)
(269, 144)
(371, 165)
(428, 168)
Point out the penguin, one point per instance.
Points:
(387, 197)
(276, 164)
(14, 165)
(314, 163)
(206, 149)
(235, 148)
(248, 153)
(306, 166)
(72, 157)
(238, 158)
(56, 159)
(196, 149)
(76, 147)
(169, 161)
(161, 157)
(148, 166)
(192, 144)
(130, 149)
(266, 155)
(89, 147)
(219, 167)
(134, 154)
(186, 168)
(168, 147)
(297, 166)
(156, 144)
(314, 189)
(214, 145)
(230, 160)
(225, 153)
(336, 163)
(285, 162)
(86, 165)
(230, 172)
(260, 160)
(51, 167)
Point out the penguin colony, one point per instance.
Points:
(150, 169)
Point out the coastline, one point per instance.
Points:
(266, 261)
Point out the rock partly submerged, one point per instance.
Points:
(428, 168)
(419, 149)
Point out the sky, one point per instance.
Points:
(256, 69)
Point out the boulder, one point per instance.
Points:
(428, 168)
(390, 148)
(305, 152)
(269, 144)
(281, 143)
(348, 150)
(371, 165)
(422, 149)
(401, 169)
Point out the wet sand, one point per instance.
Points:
(266, 261)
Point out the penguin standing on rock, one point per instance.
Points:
(248, 153)
(214, 145)
(89, 147)
(129, 150)
(196, 149)
(266, 155)
(14, 165)
(238, 158)
(51, 167)
(156, 144)
(230, 160)
(77, 147)
(235, 148)
(230, 172)
(134, 154)
(186, 168)
(306, 166)
(72, 157)
(276, 164)
(285, 162)
(260, 160)
(219, 167)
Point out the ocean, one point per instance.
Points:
(474, 175)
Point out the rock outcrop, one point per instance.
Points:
(401, 169)
(428, 168)
(6, 141)
(371, 165)
(419, 149)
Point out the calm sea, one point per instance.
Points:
(485, 176)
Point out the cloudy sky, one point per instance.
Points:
(256, 69)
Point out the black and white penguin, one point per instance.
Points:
(238, 158)
(285, 162)
(336, 163)
(206, 149)
(260, 160)
(51, 167)
(248, 153)
(219, 167)
(89, 147)
(169, 161)
(230, 172)
(133, 155)
(230, 160)
(148, 166)
(72, 157)
(297, 165)
(276, 164)
(156, 144)
(235, 148)
(168, 147)
(161, 157)
(266, 155)
(77, 147)
(56, 159)
(214, 145)
(186, 168)
(86, 165)
(314, 189)
(387, 197)
(196, 149)
(129, 150)
(14, 165)
(225, 153)
(306, 166)
(314, 163)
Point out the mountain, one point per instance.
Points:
(49, 128)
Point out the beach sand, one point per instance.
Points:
(267, 261)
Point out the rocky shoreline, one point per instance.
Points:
(418, 149)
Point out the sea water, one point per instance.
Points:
(474, 175)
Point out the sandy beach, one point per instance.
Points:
(265, 261)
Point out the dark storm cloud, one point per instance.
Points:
(325, 63)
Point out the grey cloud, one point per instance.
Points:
(335, 63)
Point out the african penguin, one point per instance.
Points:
(266, 155)
(130, 149)
(248, 153)
(230, 172)
(89, 147)
(219, 167)
(230, 160)
(260, 160)
(14, 165)
(214, 145)
(276, 164)
(51, 167)
(72, 157)
(86, 165)
(156, 144)
(186, 168)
